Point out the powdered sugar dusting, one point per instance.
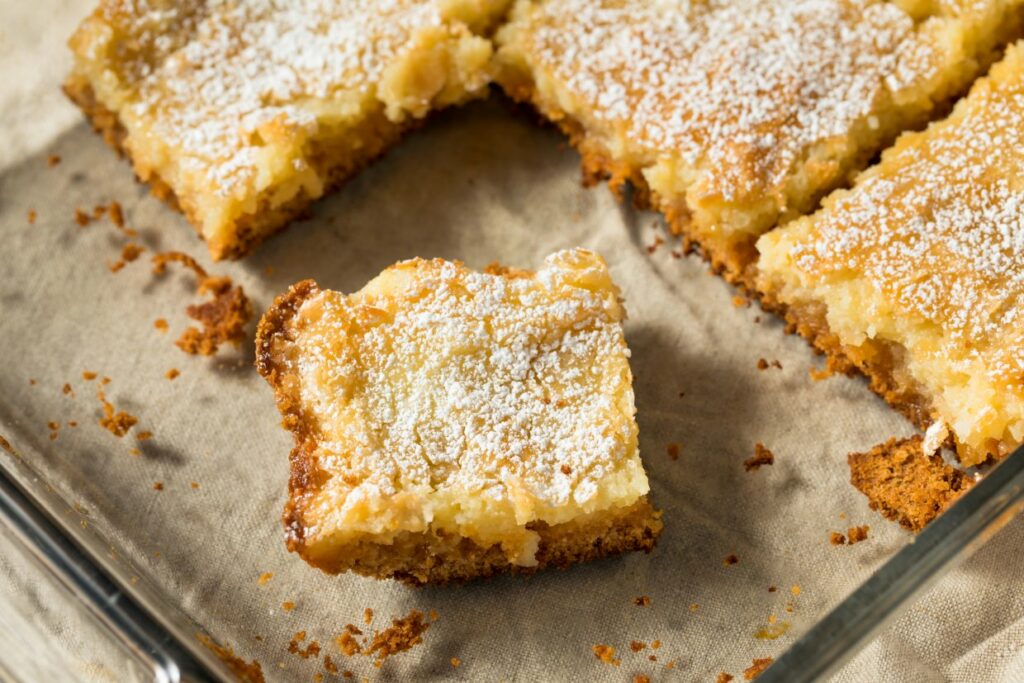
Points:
(217, 77)
(510, 388)
(742, 88)
(938, 228)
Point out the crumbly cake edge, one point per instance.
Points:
(255, 227)
(735, 262)
(432, 557)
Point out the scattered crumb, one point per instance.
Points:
(904, 484)
(775, 629)
(31, 382)
(329, 665)
(636, 645)
(772, 589)
(455, 662)
(655, 644)
(194, 484)
(842, 515)
(158, 486)
(54, 429)
(98, 211)
(640, 678)
(402, 635)
(777, 365)
(723, 678)
(836, 538)
(67, 390)
(144, 436)
(311, 650)
(672, 664)
(32, 215)
(129, 252)
(347, 643)
(673, 451)
(606, 653)
(172, 374)
(757, 319)
(740, 301)
(348, 674)
(757, 668)
(134, 452)
(818, 375)
(433, 615)
(88, 376)
(318, 677)
(694, 607)
(287, 605)
(652, 658)
(161, 324)
(566, 470)
(730, 560)
(762, 456)
(72, 423)
(52, 160)
(676, 254)
(367, 616)
(856, 534)
(82, 218)
(116, 422)
(244, 671)
(642, 601)
(795, 590)
(653, 247)
(762, 364)
(264, 578)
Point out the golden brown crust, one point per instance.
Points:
(433, 556)
(252, 228)
(904, 484)
(877, 360)
(736, 263)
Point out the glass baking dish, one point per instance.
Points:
(165, 540)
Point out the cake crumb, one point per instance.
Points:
(194, 484)
(730, 560)
(135, 452)
(671, 665)
(144, 436)
(402, 635)
(904, 484)
(82, 218)
(161, 324)
(31, 382)
(116, 422)
(247, 672)
(642, 601)
(347, 643)
(54, 429)
(32, 215)
(640, 678)
(88, 376)
(653, 247)
(566, 470)
(762, 364)
(129, 252)
(329, 665)
(606, 653)
(836, 538)
(287, 605)
(455, 661)
(311, 650)
(856, 534)
(772, 589)
(72, 423)
(655, 644)
(762, 456)
(67, 390)
(158, 486)
(673, 451)
(795, 590)
(52, 160)
(367, 616)
(740, 301)
(264, 578)
(757, 668)
(172, 374)
(652, 658)
(636, 645)
(723, 677)
(775, 629)
(433, 615)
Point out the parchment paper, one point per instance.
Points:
(478, 184)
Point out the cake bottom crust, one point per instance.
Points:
(437, 557)
(735, 259)
(251, 228)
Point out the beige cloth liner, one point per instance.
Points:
(480, 185)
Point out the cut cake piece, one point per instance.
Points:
(731, 116)
(242, 113)
(451, 424)
(915, 276)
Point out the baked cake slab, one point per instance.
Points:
(451, 424)
(916, 275)
(731, 116)
(241, 113)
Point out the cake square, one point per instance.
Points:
(242, 113)
(451, 424)
(915, 276)
(731, 116)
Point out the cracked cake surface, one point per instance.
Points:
(241, 113)
(731, 116)
(452, 423)
(922, 262)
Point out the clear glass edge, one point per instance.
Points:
(157, 630)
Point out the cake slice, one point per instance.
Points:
(916, 275)
(241, 113)
(451, 424)
(731, 116)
